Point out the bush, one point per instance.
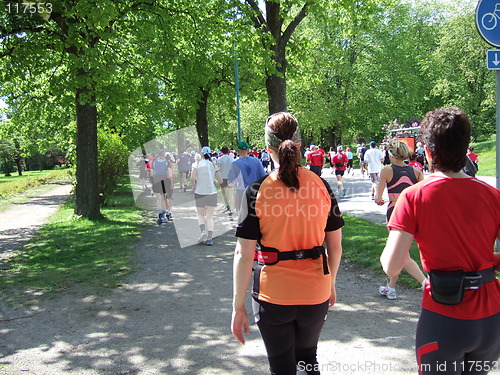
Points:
(112, 161)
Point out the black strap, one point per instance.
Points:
(473, 280)
(313, 253)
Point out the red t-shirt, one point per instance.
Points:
(341, 158)
(455, 223)
(416, 165)
(472, 156)
(315, 158)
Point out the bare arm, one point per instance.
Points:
(242, 272)
(385, 177)
(193, 178)
(218, 177)
(419, 174)
(334, 251)
(396, 251)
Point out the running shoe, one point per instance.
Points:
(387, 291)
(202, 238)
(209, 242)
(159, 221)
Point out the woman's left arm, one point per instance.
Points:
(333, 241)
(396, 251)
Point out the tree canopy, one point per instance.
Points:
(139, 69)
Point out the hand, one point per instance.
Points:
(380, 201)
(239, 320)
(333, 297)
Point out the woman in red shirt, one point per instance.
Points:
(459, 327)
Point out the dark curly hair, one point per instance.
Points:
(446, 132)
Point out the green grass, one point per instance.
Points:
(486, 151)
(71, 250)
(363, 242)
(15, 184)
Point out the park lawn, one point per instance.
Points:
(486, 151)
(71, 250)
(14, 185)
(363, 242)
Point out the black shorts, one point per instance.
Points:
(224, 183)
(453, 346)
(316, 169)
(339, 172)
(206, 200)
(349, 163)
(162, 185)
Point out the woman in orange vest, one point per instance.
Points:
(288, 216)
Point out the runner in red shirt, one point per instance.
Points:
(339, 161)
(316, 159)
(455, 220)
(474, 158)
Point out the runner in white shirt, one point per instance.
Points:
(374, 158)
(205, 194)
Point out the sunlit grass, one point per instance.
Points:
(72, 250)
(363, 242)
(486, 151)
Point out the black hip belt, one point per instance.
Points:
(447, 287)
(473, 280)
(270, 255)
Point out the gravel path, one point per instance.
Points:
(172, 317)
(20, 222)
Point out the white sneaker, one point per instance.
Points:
(387, 291)
(202, 238)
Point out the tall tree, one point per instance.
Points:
(275, 35)
(67, 51)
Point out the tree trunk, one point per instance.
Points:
(276, 79)
(19, 166)
(201, 117)
(86, 191)
(276, 93)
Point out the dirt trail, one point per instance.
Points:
(21, 220)
(172, 317)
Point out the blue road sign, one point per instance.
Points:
(493, 59)
(488, 21)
